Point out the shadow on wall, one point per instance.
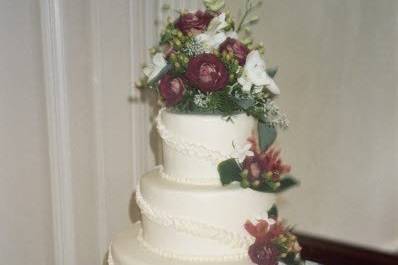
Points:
(148, 97)
(134, 211)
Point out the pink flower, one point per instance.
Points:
(172, 89)
(265, 230)
(193, 22)
(237, 48)
(258, 231)
(266, 162)
(271, 162)
(207, 73)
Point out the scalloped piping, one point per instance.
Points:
(192, 181)
(170, 255)
(195, 228)
(186, 147)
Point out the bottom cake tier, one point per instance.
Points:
(126, 249)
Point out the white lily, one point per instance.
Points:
(255, 74)
(214, 35)
(153, 69)
(240, 153)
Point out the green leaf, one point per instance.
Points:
(272, 71)
(214, 5)
(265, 187)
(229, 171)
(273, 212)
(287, 182)
(266, 135)
(292, 259)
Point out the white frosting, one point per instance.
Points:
(174, 256)
(192, 181)
(198, 221)
(192, 142)
(126, 249)
(193, 227)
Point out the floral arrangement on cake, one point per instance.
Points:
(273, 241)
(259, 165)
(205, 62)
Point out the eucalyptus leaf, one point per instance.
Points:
(266, 135)
(273, 212)
(245, 103)
(287, 182)
(229, 171)
(272, 71)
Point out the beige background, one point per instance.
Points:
(72, 146)
(338, 64)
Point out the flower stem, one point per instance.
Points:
(248, 8)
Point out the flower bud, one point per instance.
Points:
(244, 183)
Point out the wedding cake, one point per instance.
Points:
(213, 199)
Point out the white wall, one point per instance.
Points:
(25, 201)
(75, 135)
(72, 145)
(337, 73)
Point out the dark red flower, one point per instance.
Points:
(207, 73)
(267, 254)
(272, 241)
(237, 48)
(172, 89)
(193, 22)
(253, 166)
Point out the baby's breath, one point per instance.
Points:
(192, 48)
(201, 100)
(274, 116)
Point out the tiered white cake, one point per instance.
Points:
(187, 215)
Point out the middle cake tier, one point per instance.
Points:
(192, 222)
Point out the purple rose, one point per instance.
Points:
(193, 22)
(237, 48)
(207, 73)
(264, 254)
(172, 89)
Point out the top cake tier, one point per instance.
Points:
(194, 144)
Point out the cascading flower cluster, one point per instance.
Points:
(205, 55)
(258, 165)
(263, 168)
(273, 242)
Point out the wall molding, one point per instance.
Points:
(101, 189)
(58, 131)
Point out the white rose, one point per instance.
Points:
(153, 69)
(255, 74)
